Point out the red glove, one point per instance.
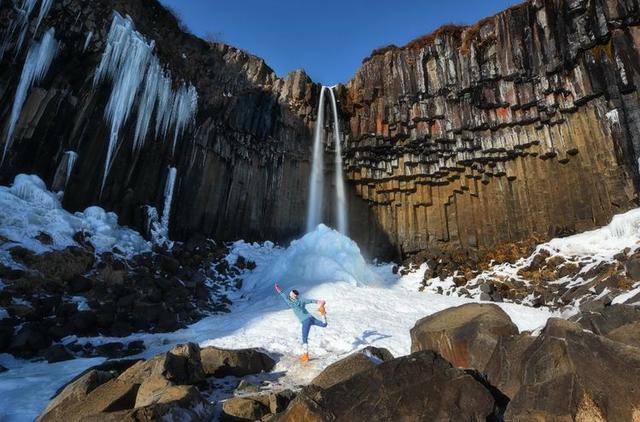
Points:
(278, 289)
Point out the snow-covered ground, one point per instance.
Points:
(366, 305)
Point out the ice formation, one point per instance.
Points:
(87, 40)
(158, 227)
(35, 67)
(320, 256)
(45, 5)
(28, 208)
(136, 74)
(72, 156)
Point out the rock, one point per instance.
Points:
(158, 389)
(242, 409)
(222, 362)
(465, 335)
(112, 396)
(57, 353)
(632, 266)
(627, 334)
(80, 284)
(567, 373)
(78, 389)
(44, 238)
(181, 365)
(29, 339)
(345, 368)
(63, 264)
(280, 400)
(3, 369)
(419, 386)
(607, 318)
(246, 387)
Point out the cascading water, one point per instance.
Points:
(158, 228)
(36, 65)
(316, 181)
(341, 200)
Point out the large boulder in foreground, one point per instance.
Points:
(465, 335)
(421, 386)
(157, 389)
(344, 369)
(567, 373)
(220, 363)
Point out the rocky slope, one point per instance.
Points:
(523, 125)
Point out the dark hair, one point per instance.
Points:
(295, 292)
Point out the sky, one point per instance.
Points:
(328, 39)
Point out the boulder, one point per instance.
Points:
(504, 367)
(112, 396)
(181, 365)
(421, 386)
(243, 409)
(346, 368)
(57, 353)
(567, 373)
(608, 318)
(223, 362)
(158, 390)
(465, 335)
(627, 334)
(64, 264)
(78, 389)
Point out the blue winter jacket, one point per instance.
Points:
(298, 306)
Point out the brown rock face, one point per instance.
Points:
(567, 373)
(465, 335)
(421, 386)
(346, 368)
(523, 124)
(223, 362)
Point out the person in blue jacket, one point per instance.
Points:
(297, 305)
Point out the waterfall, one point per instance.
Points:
(87, 40)
(341, 202)
(316, 181)
(72, 156)
(36, 65)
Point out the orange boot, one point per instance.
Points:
(321, 309)
(304, 358)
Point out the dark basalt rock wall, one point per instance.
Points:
(527, 123)
(522, 126)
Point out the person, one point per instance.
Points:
(297, 305)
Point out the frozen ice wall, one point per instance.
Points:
(138, 78)
(35, 67)
(320, 256)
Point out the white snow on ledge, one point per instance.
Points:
(28, 209)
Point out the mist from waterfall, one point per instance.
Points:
(316, 181)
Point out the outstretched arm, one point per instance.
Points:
(281, 293)
(318, 301)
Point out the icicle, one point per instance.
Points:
(168, 197)
(20, 24)
(87, 40)
(72, 156)
(45, 5)
(36, 65)
(124, 61)
(185, 107)
(128, 61)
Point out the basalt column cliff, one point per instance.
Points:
(525, 124)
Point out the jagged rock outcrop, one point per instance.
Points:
(523, 124)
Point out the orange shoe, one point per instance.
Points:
(321, 310)
(304, 358)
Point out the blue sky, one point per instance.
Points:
(330, 38)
